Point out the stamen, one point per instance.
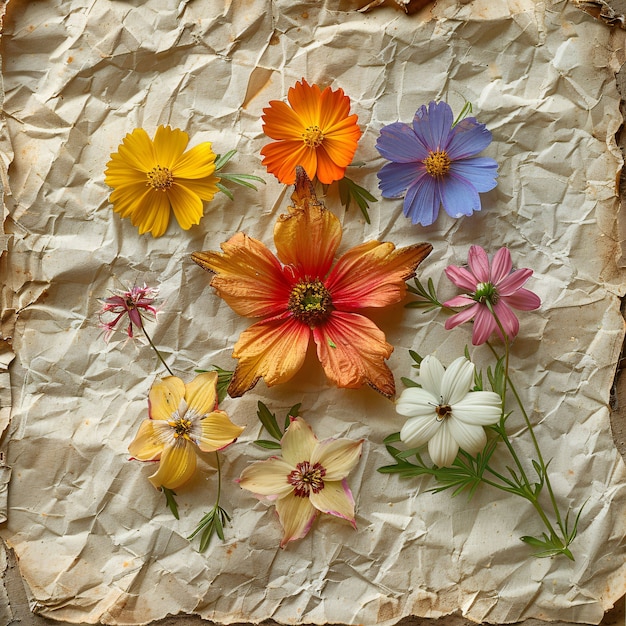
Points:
(310, 302)
(437, 163)
(306, 478)
(313, 136)
(486, 292)
(160, 178)
(443, 410)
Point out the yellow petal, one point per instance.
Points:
(204, 188)
(169, 145)
(352, 351)
(201, 393)
(165, 396)
(217, 432)
(267, 478)
(337, 457)
(187, 206)
(296, 517)
(298, 442)
(152, 214)
(137, 150)
(146, 446)
(197, 163)
(336, 499)
(273, 349)
(309, 236)
(176, 467)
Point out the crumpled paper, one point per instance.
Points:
(94, 540)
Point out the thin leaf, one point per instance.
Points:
(222, 159)
(269, 422)
(266, 443)
(170, 501)
(407, 382)
(225, 191)
(394, 437)
(349, 190)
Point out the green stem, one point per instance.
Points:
(145, 332)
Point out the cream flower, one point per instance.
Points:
(445, 413)
(307, 480)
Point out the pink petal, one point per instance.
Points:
(484, 325)
(507, 318)
(478, 262)
(335, 499)
(513, 282)
(501, 265)
(459, 301)
(296, 516)
(461, 277)
(523, 300)
(462, 316)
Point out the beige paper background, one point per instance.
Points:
(94, 540)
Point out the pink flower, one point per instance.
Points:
(494, 291)
(135, 303)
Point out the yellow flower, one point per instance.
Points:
(184, 418)
(150, 177)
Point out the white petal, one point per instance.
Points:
(479, 407)
(431, 375)
(469, 437)
(442, 447)
(457, 381)
(418, 430)
(415, 401)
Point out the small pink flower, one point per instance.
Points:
(135, 303)
(494, 288)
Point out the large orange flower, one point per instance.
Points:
(298, 295)
(316, 132)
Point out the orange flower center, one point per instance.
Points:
(181, 427)
(437, 163)
(443, 410)
(160, 178)
(310, 302)
(306, 478)
(313, 136)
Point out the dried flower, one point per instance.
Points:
(184, 419)
(152, 177)
(304, 297)
(135, 303)
(316, 132)
(309, 479)
(494, 292)
(434, 162)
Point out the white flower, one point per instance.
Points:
(445, 413)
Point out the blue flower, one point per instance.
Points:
(434, 163)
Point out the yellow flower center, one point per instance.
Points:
(443, 410)
(306, 478)
(313, 136)
(310, 302)
(160, 178)
(437, 163)
(181, 427)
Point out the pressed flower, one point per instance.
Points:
(184, 419)
(309, 479)
(134, 303)
(445, 413)
(434, 162)
(494, 291)
(299, 296)
(316, 132)
(152, 177)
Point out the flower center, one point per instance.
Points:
(443, 410)
(312, 136)
(310, 302)
(437, 163)
(182, 427)
(160, 178)
(306, 478)
(486, 292)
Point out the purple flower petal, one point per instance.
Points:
(398, 143)
(480, 171)
(458, 196)
(396, 178)
(422, 201)
(432, 126)
(468, 138)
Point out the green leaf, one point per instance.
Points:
(227, 192)
(407, 382)
(211, 524)
(416, 357)
(293, 412)
(266, 443)
(222, 159)
(465, 111)
(394, 437)
(242, 179)
(223, 380)
(170, 501)
(349, 190)
(269, 422)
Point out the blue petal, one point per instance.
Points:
(397, 142)
(481, 172)
(422, 201)
(458, 196)
(396, 178)
(432, 126)
(468, 138)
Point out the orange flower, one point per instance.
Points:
(304, 297)
(316, 132)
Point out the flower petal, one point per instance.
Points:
(201, 393)
(396, 178)
(337, 457)
(298, 442)
(267, 478)
(273, 349)
(469, 437)
(374, 274)
(418, 430)
(187, 206)
(442, 447)
(164, 397)
(416, 402)
(431, 376)
(147, 445)
(398, 143)
(457, 380)
(352, 350)
(458, 196)
(309, 236)
(296, 516)
(478, 262)
(169, 144)
(176, 467)
(137, 150)
(249, 277)
(217, 432)
(282, 157)
(461, 277)
(480, 408)
(328, 171)
(480, 171)
(468, 138)
(422, 201)
(281, 122)
(335, 499)
(510, 283)
(501, 266)
(484, 325)
(432, 125)
(196, 164)
(507, 318)
(152, 213)
(462, 316)
(523, 300)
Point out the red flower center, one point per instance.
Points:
(310, 302)
(306, 478)
(437, 163)
(160, 178)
